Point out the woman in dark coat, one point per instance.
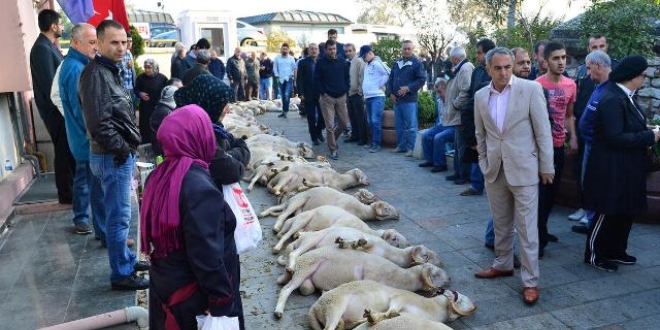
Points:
(615, 178)
(232, 154)
(188, 230)
(148, 87)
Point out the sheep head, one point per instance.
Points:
(359, 176)
(433, 277)
(420, 254)
(458, 305)
(394, 238)
(305, 150)
(385, 211)
(365, 196)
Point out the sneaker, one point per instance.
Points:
(374, 149)
(83, 229)
(471, 192)
(426, 164)
(367, 146)
(141, 266)
(282, 115)
(585, 220)
(398, 151)
(625, 260)
(333, 155)
(132, 282)
(579, 214)
(605, 265)
(409, 153)
(450, 153)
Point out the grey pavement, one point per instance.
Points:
(49, 275)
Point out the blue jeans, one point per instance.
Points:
(116, 185)
(476, 178)
(375, 107)
(489, 237)
(87, 191)
(265, 84)
(276, 89)
(587, 150)
(434, 143)
(405, 125)
(285, 90)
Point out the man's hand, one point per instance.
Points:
(403, 91)
(392, 98)
(547, 178)
(572, 146)
(144, 96)
(473, 147)
(120, 159)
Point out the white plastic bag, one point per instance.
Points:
(248, 229)
(208, 322)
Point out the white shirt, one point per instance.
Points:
(497, 104)
(630, 94)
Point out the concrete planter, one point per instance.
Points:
(568, 192)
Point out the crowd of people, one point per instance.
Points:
(509, 122)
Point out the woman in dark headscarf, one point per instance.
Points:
(148, 87)
(187, 229)
(231, 154)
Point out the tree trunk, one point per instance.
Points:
(511, 15)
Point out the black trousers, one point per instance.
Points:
(547, 194)
(315, 120)
(608, 237)
(358, 118)
(64, 163)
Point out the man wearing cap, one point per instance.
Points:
(376, 74)
(619, 150)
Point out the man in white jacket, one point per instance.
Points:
(376, 74)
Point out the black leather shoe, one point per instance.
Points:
(580, 229)
(321, 138)
(316, 142)
(552, 238)
(437, 169)
(426, 164)
(141, 266)
(282, 115)
(452, 177)
(133, 282)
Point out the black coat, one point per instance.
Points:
(615, 178)
(479, 80)
(304, 79)
(153, 86)
(44, 60)
(231, 156)
(208, 256)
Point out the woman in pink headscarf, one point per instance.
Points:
(188, 229)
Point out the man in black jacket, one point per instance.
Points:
(480, 79)
(44, 60)
(237, 74)
(110, 121)
(309, 93)
(332, 81)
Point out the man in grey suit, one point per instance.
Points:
(515, 150)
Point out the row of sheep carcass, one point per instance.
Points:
(370, 276)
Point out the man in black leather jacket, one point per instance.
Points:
(114, 137)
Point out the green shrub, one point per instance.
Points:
(388, 104)
(389, 50)
(425, 109)
(138, 43)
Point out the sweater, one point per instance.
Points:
(586, 124)
(356, 75)
(76, 131)
(376, 74)
(332, 77)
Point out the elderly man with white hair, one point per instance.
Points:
(457, 95)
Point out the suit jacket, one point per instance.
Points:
(524, 147)
(44, 60)
(304, 79)
(615, 177)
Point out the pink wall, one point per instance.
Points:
(19, 26)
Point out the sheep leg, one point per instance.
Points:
(280, 244)
(307, 287)
(305, 244)
(296, 281)
(374, 318)
(361, 243)
(273, 210)
(260, 171)
(291, 207)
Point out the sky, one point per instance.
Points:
(347, 8)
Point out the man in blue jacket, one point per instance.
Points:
(406, 78)
(332, 81)
(86, 187)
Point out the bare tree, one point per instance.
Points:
(435, 29)
(382, 12)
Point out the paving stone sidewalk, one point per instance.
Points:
(573, 295)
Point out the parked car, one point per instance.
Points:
(249, 35)
(165, 39)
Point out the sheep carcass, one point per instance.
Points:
(404, 321)
(319, 196)
(327, 216)
(280, 143)
(267, 170)
(346, 237)
(329, 267)
(344, 305)
(302, 177)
